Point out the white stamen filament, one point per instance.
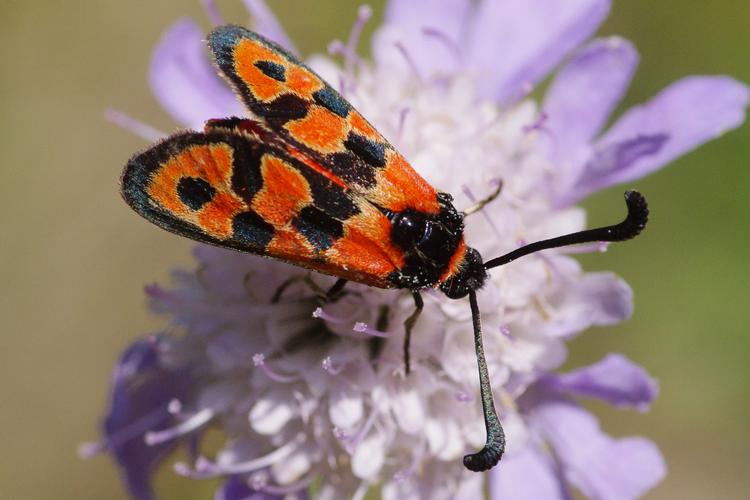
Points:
(360, 327)
(90, 450)
(140, 426)
(445, 39)
(212, 11)
(364, 13)
(259, 360)
(412, 64)
(134, 126)
(319, 313)
(205, 469)
(351, 442)
(194, 422)
(402, 121)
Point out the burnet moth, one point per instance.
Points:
(309, 181)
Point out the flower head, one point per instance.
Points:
(305, 392)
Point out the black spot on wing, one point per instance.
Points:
(371, 152)
(194, 192)
(246, 177)
(351, 169)
(320, 229)
(332, 101)
(335, 202)
(272, 69)
(327, 195)
(250, 229)
(284, 108)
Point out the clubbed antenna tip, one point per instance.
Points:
(629, 228)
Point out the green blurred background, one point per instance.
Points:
(75, 258)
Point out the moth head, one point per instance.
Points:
(470, 276)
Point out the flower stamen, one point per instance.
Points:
(320, 314)
(212, 11)
(192, 423)
(140, 426)
(409, 60)
(443, 37)
(259, 361)
(351, 443)
(402, 122)
(364, 13)
(133, 125)
(204, 468)
(360, 327)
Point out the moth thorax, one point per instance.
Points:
(470, 276)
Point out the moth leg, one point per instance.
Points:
(282, 288)
(481, 203)
(332, 295)
(336, 291)
(408, 325)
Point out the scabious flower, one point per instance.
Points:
(317, 395)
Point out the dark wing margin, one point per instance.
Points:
(184, 184)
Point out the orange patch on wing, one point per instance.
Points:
(216, 216)
(320, 130)
(212, 163)
(216, 162)
(400, 187)
(360, 125)
(302, 81)
(285, 192)
(246, 54)
(290, 245)
(366, 245)
(357, 253)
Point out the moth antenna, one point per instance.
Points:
(493, 450)
(629, 228)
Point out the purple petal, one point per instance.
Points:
(599, 466)
(185, 82)
(596, 299)
(614, 379)
(265, 23)
(430, 31)
(140, 394)
(514, 44)
(684, 115)
(529, 474)
(584, 93)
